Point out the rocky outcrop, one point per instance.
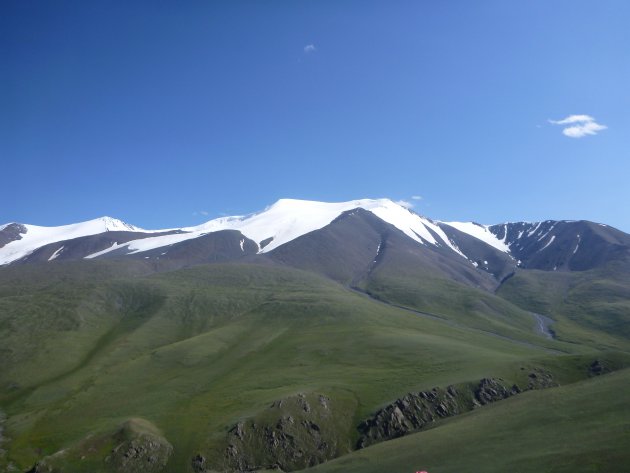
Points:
(293, 433)
(142, 454)
(416, 410)
(409, 413)
(135, 447)
(539, 378)
(11, 232)
(492, 390)
(598, 368)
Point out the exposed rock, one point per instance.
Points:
(416, 410)
(198, 463)
(323, 400)
(540, 379)
(41, 467)
(141, 454)
(492, 390)
(598, 368)
(11, 232)
(294, 433)
(138, 448)
(409, 413)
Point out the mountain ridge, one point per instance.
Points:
(288, 219)
(496, 249)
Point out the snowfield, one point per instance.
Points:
(36, 236)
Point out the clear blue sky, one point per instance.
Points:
(161, 112)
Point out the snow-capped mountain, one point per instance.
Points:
(289, 219)
(278, 224)
(494, 249)
(549, 245)
(19, 240)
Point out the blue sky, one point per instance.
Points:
(170, 113)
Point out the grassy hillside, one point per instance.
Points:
(455, 302)
(590, 307)
(582, 427)
(192, 352)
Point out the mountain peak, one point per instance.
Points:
(112, 224)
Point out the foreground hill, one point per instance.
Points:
(581, 427)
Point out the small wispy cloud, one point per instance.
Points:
(581, 125)
(310, 48)
(405, 203)
(416, 197)
(200, 212)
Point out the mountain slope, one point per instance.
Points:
(551, 245)
(194, 351)
(576, 428)
(19, 240)
(357, 242)
(280, 223)
(496, 249)
(563, 245)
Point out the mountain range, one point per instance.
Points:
(325, 336)
(496, 249)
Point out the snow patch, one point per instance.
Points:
(106, 250)
(36, 236)
(546, 233)
(289, 219)
(56, 253)
(481, 232)
(531, 232)
(553, 237)
(578, 244)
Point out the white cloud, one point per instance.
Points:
(573, 119)
(416, 197)
(404, 203)
(310, 48)
(582, 125)
(200, 212)
(578, 131)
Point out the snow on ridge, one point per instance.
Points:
(37, 236)
(288, 219)
(481, 232)
(553, 237)
(283, 221)
(531, 232)
(577, 246)
(56, 253)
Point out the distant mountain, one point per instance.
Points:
(552, 245)
(279, 231)
(20, 240)
(278, 224)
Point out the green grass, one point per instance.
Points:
(582, 427)
(589, 307)
(196, 350)
(458, 303)
(86, 347)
